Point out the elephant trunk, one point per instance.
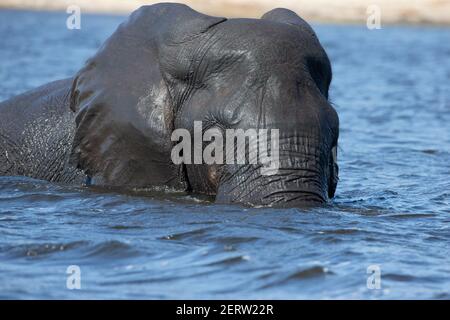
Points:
(302, 178)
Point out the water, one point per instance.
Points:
(391, 90)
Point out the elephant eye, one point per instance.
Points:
(217, 121)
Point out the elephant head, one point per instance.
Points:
(169, 66)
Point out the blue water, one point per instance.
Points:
(392, 209)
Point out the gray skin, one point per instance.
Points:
(164, 68)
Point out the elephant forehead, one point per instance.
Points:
(258, 47)
(265, 38)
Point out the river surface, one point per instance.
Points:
(390, 217)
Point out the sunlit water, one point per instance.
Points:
(391, 90)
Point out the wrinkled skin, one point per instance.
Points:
(36, 133)
(163, 69)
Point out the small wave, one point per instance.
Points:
(328, 239)
(36, 197)
(236, 240)
(8, 218)
(435, 238)
(40, 250)
(441, 197)
(429, 151)
(442, 296)
(112, 249)
(410, 215)
(311, 272)
(298, 275)
(124, 227)
(229, 261)
(186, 235)
(340, 231)
(289, 229)
(398, 277)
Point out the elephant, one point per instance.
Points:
(164, 68)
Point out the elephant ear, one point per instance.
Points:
(289, 17)
(124, 111)
(317, 62)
